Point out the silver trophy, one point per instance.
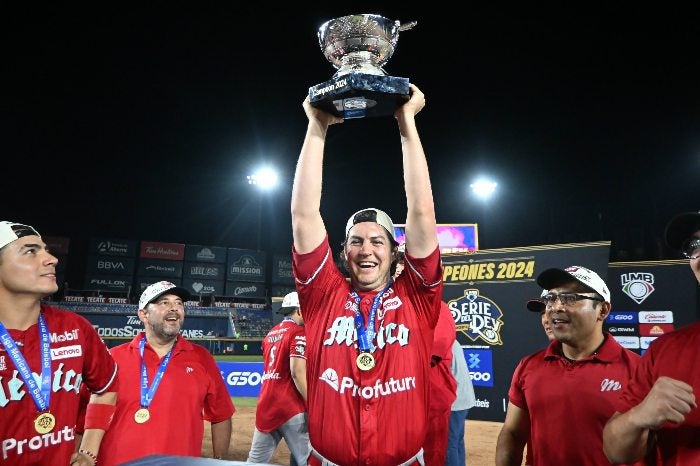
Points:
(359, 46)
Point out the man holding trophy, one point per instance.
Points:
(369, 339)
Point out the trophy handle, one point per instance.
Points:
(407, 26)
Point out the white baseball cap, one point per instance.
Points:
(371, 215)
(157, 290)
(12, 231)
(551, 278)
(289, 303)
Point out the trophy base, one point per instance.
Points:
(360, 95)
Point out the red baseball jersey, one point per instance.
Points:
(673, 355)
(561, 395)
(78, 355)
(377, 416)
(191, 391)
(279, 398)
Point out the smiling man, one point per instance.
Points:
(369, 340)
(168, 387)
(571, 384)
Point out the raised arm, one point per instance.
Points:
(307, 225)
(421, 237)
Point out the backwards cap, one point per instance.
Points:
(371, 215)
(290, 303)
(12, 231)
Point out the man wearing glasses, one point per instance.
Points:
(659, 407)
(560, 397)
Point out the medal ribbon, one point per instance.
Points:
(40, 394)
(365, 334)
(147, 394)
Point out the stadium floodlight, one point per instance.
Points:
(265, 178)
(483, 188)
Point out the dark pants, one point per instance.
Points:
(456, 453)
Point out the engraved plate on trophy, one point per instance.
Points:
(359, 46)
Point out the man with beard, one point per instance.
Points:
(168, 387)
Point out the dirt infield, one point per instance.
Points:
(480, 437)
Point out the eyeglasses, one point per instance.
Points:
(567, 299)
(691, 248)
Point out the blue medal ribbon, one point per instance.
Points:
(365, 333)
(40, 394)
(147, 394)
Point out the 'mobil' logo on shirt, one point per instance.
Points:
(477, 317)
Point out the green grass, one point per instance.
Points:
(244, 401)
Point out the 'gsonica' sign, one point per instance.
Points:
(242, 378)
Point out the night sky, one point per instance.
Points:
(142, 122)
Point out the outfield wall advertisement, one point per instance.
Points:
(242, 378)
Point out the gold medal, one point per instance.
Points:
(44, 422)
(142, 415)
(365, 361)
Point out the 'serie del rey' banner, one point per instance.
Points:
(486, 292)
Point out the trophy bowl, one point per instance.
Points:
(360, 43)
(358, 46)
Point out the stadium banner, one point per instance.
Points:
(110, 283)
(142, 283)
(281, 291)
(242, 378)
(160, 268)
(486, 292)
(245, 290)
(164, 251)
(198, 287)
(245, 265)
(114, 265)
(113, 247)
(282, 270)
(204, 271)
(211, 254)
(58, 245)
(649, 299)
(128, 326)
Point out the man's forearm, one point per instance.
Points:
(622, 441)
(221, 438)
